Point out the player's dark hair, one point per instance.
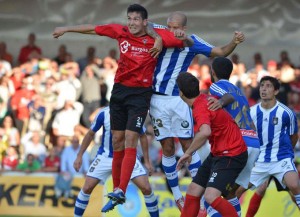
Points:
(222, 67)
(274, 81)
(139, 9)
(188, 84)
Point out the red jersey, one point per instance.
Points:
(26, 51)
(55, 162)
(226, 138)
(136, 66)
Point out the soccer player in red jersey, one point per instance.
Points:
(130, 99)
(216, 176)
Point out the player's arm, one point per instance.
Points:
(158, 44)
(227, 49)
(215, 104)
(89, 136)
(84, 29)
(198, 141)
(145, 150)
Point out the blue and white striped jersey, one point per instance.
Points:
(172, 61)
(239, 109)
(102, 119)
(274, 127)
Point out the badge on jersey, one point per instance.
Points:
(145, 40)
(275, 121)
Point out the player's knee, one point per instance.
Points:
(294, 187)
(87, 188)
(210, 197)
(146, 189)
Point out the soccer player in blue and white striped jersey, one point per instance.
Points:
(101, 168)
(171, 117)
(277, 129)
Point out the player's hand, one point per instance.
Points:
(238, 37)
(58, 31)
(157, 47)
(180, 34)
(214, 104)
(149, 167)
(185, 159)
(77, 163)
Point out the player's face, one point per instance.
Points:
(136, 24)
(267, 91)
(174, 24)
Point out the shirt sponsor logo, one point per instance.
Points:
(139, 49)
(249, 133)
(124, 46)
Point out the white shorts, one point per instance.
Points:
(101, 169)
(244, 177)
(262, 171)
(170, 117)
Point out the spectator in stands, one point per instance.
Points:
(11, 159)
(108, 73)
(11, 132)
(19, 104)
(61, 56)
(113, 54)
(67, 172)
(6, 88)
(32, 145)
(90, 58)
(52, 161)
(4, 55)
(5, 68)
(31, 50)
(90, 95)
(29, 165)
(36, 114)
(17, 78)
(67, 119)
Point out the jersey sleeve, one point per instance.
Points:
(200, 46)
(216, 89)
(98, 121)
(110, 30)
(291, 122)
(168, 38)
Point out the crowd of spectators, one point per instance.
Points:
(46, 103)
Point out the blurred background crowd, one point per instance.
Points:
(47, 103)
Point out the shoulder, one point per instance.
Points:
(286, 110)
(201, 41)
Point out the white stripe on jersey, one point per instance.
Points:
(273, 132)
(217, 89)
(202, 41)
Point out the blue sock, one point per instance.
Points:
(297, 198)
(169, 166)
(152, 204)
(236, 204)
(81, 203)
(195, 164)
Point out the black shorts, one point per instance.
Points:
(129, 107)
(220, 172)
(278, 185)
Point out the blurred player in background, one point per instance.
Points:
(101, 167)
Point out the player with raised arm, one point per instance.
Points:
(101, 167)
(171, 117)
(131, 94)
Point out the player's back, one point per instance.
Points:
(239, 109)
(103, 120)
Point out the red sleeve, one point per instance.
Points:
(169, 40)
(201, 116)
(110, 30)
